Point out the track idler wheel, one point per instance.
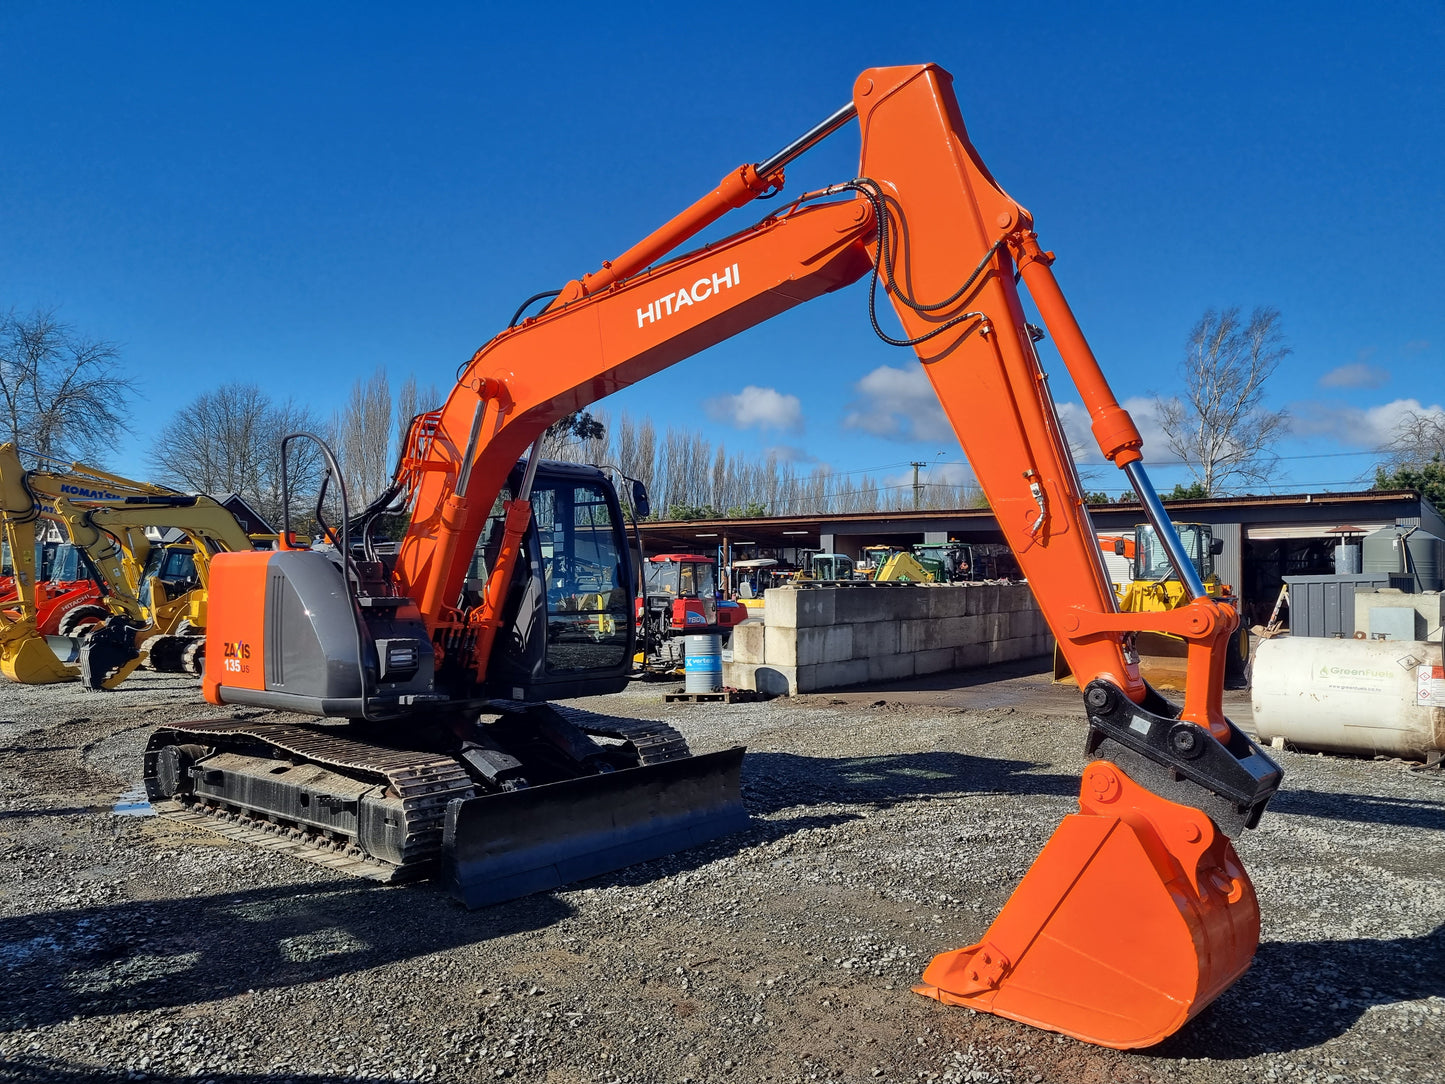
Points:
(167, 654)
(1135, 916)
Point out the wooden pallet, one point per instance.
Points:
(726, 696)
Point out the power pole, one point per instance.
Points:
(917, 485)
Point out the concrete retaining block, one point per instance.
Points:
(875, 638)
(970, 656)
(780, 604)
(831, 637)
(890, 667)
(832, 675)
(780, 646)
(833, 643)
(748, 642)
(934, 662)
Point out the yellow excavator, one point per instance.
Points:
(1154, 587)
(28, 498)
(900, 566)
(153, 595)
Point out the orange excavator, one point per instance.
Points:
(1136, 914)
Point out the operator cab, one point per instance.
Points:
(1151, 560)
(832, 566)
(571, 593)
(173, 569)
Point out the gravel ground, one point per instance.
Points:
(888, 825)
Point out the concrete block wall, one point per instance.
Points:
(819, 638)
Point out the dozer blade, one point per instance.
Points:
(30, 661)
(1135, 916)
(500, 846)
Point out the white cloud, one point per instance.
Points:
(758, 408)
(790, 453)
(1359, 374)
(1359, 427)
(898, 404)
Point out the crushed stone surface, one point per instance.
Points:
(888, 824)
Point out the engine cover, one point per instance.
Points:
(311, 645)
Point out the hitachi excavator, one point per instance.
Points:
(1137, 913)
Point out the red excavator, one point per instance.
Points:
(1136, 914)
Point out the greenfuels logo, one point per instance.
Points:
(1353, 672)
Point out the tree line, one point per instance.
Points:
(689, 477)
(65, 395)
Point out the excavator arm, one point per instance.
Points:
(1138, 912)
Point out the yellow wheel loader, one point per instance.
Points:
(1155, 588)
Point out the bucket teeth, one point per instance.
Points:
(1135, 916)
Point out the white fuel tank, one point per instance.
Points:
(1351, 696)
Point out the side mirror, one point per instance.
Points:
(640, 504)
(1118, 547)
(1216, 546)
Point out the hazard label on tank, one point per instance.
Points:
(1430, 686)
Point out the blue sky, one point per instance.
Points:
(293, 195)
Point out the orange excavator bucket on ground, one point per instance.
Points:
(1135, 916)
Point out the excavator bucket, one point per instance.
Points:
(30, 661)
(1135, 916)
(500, 846)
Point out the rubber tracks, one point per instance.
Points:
(425, 783)
(652, 742)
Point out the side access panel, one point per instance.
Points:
(235, 631)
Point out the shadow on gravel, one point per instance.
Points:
(27, 749)
(777, 781)
(55, 1072)
(1300, 994)
(774, 782)
(69, 811)
(142, 955)
(1365, 808)
(138, 956)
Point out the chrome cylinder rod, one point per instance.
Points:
(529, 473)
(811, 138)
(1164, 528)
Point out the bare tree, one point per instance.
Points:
(411, 401)
(364, 438)
(61, 394)
(1220, 429)
(1419, 437)
(229, 441)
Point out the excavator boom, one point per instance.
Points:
(1138, 912)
